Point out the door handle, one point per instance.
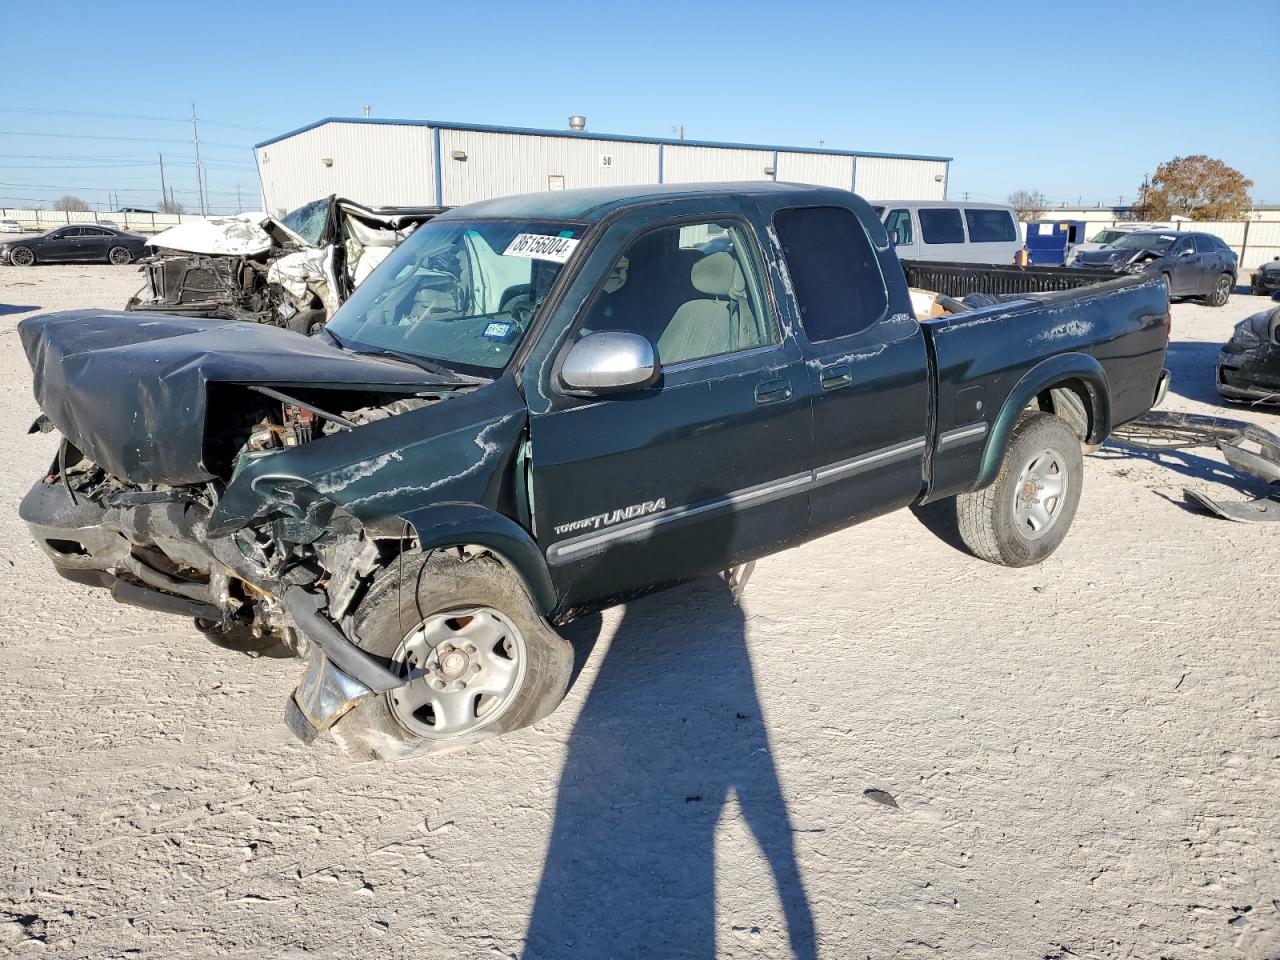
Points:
(771, 391)
(836, 376)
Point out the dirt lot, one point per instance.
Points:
(1081, 757)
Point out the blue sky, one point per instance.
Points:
(1074, 100)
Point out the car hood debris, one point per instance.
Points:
(291, 272)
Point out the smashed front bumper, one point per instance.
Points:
(1249, 364)
(339, 675)
(155, 555)
(1250, 374)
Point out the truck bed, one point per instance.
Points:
(960, 279)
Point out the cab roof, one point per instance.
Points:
(595, 203)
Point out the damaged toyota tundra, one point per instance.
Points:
(541, 406)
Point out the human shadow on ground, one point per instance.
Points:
(10, 308)
(670, 740)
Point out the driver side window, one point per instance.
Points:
(692, 290)
(899, 221)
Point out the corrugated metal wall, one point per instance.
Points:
(380, 165)
(394, 164)
(824, 169)
(499, 164)
(888, 178)
(708, 164)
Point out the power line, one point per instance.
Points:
(37, 111)
(94, 136)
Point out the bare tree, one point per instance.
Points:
(68, 203)
(1198, 187)
(1027, 204)
(172, 206)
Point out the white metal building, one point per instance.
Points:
(425, 162)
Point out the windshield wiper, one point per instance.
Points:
(419, 362)
(334, 337)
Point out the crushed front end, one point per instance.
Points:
(1249, 363)
(195, 476)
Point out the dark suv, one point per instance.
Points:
(1193, 264)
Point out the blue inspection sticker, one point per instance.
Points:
(498, 330)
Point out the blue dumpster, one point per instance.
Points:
(1050, 241)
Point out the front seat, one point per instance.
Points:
(709, 326)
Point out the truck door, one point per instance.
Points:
(706, 468)
(868, 368)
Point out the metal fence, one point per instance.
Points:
(38, 220)
(1254, 241)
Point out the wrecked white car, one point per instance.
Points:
(293, 272)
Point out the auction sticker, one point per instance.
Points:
(538, 246)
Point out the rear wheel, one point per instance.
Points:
(1221, 291)
(22, 256)
(1025, 514)
(119, 256)
(477, 658)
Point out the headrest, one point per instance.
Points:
(719, 275)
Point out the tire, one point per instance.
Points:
(1221, 291)
(996, 524)
(119, 256)
(1255, 288)
(306, 322)
(22, 256)
(485, 600)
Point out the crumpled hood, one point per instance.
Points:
(1104, 257)
(131, 390)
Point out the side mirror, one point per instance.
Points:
(610, 362)
(893, 237)
(1186, 253)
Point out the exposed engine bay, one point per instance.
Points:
(132, 501)
(291, 272)
(152, 545)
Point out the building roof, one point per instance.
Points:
(588, 135)
(594, 203)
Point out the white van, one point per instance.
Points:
(946, 230)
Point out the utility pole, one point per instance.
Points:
(367, 109)
(204, 188)
(966, 196)
(239, 204)
(195, 139)
(164, 193)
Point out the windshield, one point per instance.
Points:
(1106, 236)
(1158, 242)
(459, 293)
(308, 220)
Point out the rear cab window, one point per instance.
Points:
(834, 271)
(990, 226)
(940, 225)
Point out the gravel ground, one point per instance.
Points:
(888, 750)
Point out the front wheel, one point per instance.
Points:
(22, 256)
(119, 256)
(1221, 291)
(477, 658)
(1025, 514)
